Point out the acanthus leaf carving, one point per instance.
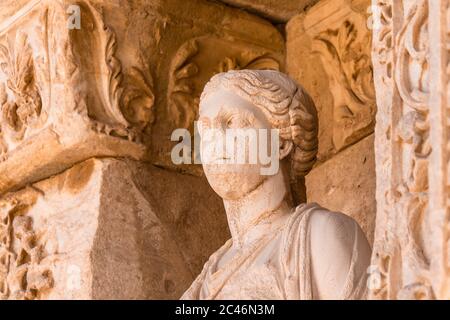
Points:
(127, 96)
(347, 63)
(22, 275)
(138, 99)
(402, 57)
(181, 99)
(20, 99)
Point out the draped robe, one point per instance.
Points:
(279, 265)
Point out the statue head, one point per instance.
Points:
(257, 99)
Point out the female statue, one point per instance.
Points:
(276, 251)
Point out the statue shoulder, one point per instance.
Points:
(339, 252)
(329, 228)
(321, 220)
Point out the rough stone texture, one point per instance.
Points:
(328, 52)
(346, 183)
(275, 10)
(107, 229)
(410, 58)
(71, 94)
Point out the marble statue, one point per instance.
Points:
(277, 251)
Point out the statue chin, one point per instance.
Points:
(232, 184)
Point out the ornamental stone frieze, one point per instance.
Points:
(82, 79)
(337, 35)
(410, 57)
(329, 53)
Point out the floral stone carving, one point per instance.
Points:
(65, 90)
(411, 236)
(21, 274)
(337, 34)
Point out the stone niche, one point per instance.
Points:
(108, 229)
(91, 205)
(329, 53)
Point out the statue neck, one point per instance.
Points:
(259, 212)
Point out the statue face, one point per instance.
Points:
(220, 112)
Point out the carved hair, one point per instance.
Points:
(287, 106)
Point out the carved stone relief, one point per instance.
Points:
(328, 52)
(66, 90)
(22, 276)
(191, 69)
(410, 146)
(124, 105)
(69, 95)
(336, 32)
(90, 91)
(349, 67)
(25, 106)
(223, 39)
(55, 235)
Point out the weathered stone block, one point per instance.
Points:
(346, 183)
(107, 229)
(275, 10)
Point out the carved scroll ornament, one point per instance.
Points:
(65, 94)
(408, 249)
